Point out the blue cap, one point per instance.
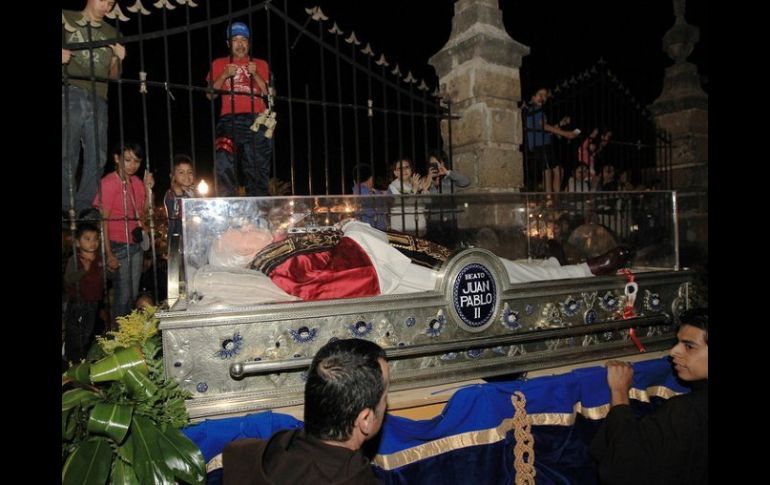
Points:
(238, 28)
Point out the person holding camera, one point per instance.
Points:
(442, 179)
(121, 199)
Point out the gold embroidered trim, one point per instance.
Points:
(493, 435)
(214, 463)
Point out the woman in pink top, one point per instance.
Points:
(121, 199)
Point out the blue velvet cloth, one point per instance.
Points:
(561, 451)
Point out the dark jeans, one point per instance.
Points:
(125, 282)
(79, 328)
(253, 149)
(83, 123)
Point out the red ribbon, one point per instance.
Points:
(628, 311)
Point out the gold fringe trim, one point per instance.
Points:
(214, 463)
(493, 435)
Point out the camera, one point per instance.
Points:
(136, 235)
(434, 166)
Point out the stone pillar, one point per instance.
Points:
(478, 71)
(682, 107)
(682, 110)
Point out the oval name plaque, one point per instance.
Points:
(474, 296)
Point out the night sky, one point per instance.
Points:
(565, 38)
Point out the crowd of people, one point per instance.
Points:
(560, 157)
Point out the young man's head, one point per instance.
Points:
(238, 39)
(346, 392)
(144, 300)
(540, 96)
(98, 9)
(87, 237)
(131, 160)
(362, 174)
(691, 353)
(436, 157)
(402, 169)
(183, 174)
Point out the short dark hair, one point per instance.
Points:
(182, 159)
(396, 165)
(344, 379)
(85, 227)
(362, 172)
(439, 155)
(698, 318)
(129, 146)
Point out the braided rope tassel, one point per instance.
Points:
(524, 449)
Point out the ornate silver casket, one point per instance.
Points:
(236, 355)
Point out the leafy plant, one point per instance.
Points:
(121, 417)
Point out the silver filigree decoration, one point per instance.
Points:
(590, 316)
(360, 328)
(652, 301)
(230, 347)
(609, 302)
(474, 353)
(590, 340)
(510, 318)
(550, 317)
(570, 307)
(552, 344)
(278, 379)
(589, 299)
(303, 335)
(529, 309)
(515, 350)
(386, 334)
(436, 324)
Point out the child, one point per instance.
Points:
(182, 186)
(143, 301)
(84, 284)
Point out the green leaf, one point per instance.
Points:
(77, 397)
(80, 372)
(65, 414)
(126, 451)
(113, 367)
(140, 386)
(110, 419)
(123, 474)
(182, 456)
(89, 464)
(95, 352)
(149, 463)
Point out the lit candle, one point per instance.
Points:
(203, 188)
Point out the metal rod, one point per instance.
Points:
(323, 108)
(309, 143)
(292, 157)
(241, 369)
